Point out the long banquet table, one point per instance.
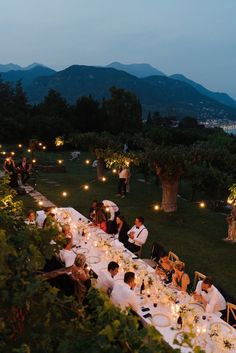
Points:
(211, 332)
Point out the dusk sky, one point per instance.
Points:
(193, 37)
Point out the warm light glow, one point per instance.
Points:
(7, 159)
(29, 150)
(107, 209)
(64, 193)
(33, 160)
(104, 178)
(230, 201)
(40, 203)
(202, 204)
(4, 152)
(86, 187)
(87, 161)
(12, 153)
(44, 147)
(156, 207)
(20, 145)
(114, 171)
(60, 161)
(59, 141)
(40, 143)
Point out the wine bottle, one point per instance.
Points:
(142, 288)
(179, 323)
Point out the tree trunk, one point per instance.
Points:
(100, 168)
(169, 195)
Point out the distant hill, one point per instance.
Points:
(138, 70)
(15, 67)
(156, 93)
(26, 76)
(218, 96)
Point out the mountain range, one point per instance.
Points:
(172, 96)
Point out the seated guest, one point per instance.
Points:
(123, 229)
(207, 294)
(23, 170)
(123, 294)
(137, 235)
(50, 221)
(92, 211)
(80, 274)
(66, 231)
(106, 277)
(31, 218)
(42, 214)
(180, 279)
(165, 268)
(67, 255)
(100, 217)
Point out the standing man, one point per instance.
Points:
(137, 235)
(123, 179)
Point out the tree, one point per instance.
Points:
(124, 112)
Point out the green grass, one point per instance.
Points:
(194, 234)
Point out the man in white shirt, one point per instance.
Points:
(137, 235)
(123, 294)
(106, 277)
(123, 178)
(209, 296)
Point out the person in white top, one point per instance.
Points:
(137, 235)
(123, 294)
(67, 255)
(106, 277)
(111, 208)
(123, 178)
(207, 294)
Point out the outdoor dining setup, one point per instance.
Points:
(179, 316)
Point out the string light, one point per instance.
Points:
(12, 153)
(20, 145)
(114, 171)
(87, 161)
(202, 204)
(156, 207)
(4, 152)
(104, 179)
(29, 150)
(86, 187)
(33, 160)
(64, 194)
(59, 161)
(40, 143)
(44, 147)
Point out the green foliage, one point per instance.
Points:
(35, 318)
(232, 195)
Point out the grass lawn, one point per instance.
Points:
(194, 234)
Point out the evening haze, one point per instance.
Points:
(194, 38)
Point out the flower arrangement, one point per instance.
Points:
(222, 343)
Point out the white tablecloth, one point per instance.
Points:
(98, 256)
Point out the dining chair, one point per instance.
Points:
(172, 256)
(231, 314)
(198, 276)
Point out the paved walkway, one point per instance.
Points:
(37, 196)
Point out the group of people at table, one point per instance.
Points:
(106, 216)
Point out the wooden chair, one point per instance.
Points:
(198, 276)
(231, 313)
(172, 256)
(156, 251)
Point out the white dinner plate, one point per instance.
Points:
(198, 308)
(161, 320)
(82, 251)
(225, 327)
(93, 259)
